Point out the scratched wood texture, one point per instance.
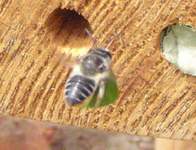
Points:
(155, 99)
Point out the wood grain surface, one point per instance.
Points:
(155, 99)
(162, 144)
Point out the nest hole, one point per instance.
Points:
(178, 45)
(66, 31)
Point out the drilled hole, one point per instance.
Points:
(178, 45)
(66, 29)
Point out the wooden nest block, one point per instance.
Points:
(156, 98)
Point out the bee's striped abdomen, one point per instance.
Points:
(78, 88)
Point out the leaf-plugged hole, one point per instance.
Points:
(178, 45)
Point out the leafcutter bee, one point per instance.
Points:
(91, 82)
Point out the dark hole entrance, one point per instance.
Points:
(66, 29)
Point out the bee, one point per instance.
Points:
(91, 82)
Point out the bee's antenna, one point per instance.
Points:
(92, 37)
(112, 39)
(95, 40)
(110, 43)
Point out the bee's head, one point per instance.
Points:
(96, 61)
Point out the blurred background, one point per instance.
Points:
(18, 134)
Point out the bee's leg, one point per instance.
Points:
(101, 92)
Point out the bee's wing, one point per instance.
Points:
(66, 60)
(110, 94)
(111, 91)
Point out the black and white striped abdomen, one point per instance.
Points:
(78, 88)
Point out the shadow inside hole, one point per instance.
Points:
(66, 31)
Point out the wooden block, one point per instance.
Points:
(162, 144)
(155, 99)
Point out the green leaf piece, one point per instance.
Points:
(110, 95)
